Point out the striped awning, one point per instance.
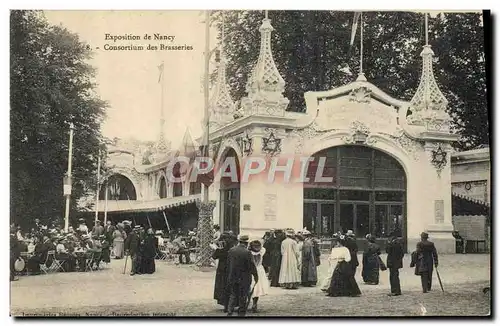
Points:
(463, 205)
(131, 206)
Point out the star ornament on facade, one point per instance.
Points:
(271, 145)
(439, 158)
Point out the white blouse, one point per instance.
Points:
(339, 254)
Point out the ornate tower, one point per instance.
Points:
(221, 106)
(266, 86)
(429, 104)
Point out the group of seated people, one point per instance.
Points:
(74, 250)
(83, 249)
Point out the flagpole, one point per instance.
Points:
(162, 85)
(69, 181)
(106, 202)
(426, 29)
(206, 96)
(361, 45)
(98, 188)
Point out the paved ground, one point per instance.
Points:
(182, 291)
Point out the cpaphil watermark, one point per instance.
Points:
(296, 169)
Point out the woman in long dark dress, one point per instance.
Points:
(343, 283)
(149, 253)
(371, 262)
(225, 242)
(275, 253)
(266, 259)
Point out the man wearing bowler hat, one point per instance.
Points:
(240, 271)
(426, 261)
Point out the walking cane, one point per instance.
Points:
(250, 296)
(125, 267)
(439, 279)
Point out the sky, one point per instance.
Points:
(128, 80)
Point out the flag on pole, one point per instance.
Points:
(160, 68)
(357, 15)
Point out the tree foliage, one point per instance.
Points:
(51, 85)
(310, 47)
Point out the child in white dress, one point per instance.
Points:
(262, 287)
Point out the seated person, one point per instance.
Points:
(181, 249)
(68, 261)
(40, 256)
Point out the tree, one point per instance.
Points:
(310, 47)
(51, 85)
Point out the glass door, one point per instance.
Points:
(327, 217)
(310, 215)
(346, 217)
(362, 220)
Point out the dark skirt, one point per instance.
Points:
(274, 270)
(148, 266)
(220, 290)
(343, 283)
(106, 255)
(371, 269)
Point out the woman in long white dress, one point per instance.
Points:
(332, 260)
(118, 241)
(343, 283)
(262, 287)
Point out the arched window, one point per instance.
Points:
(163, 188)
(362, 189)
(177, 187)
(119, 188)
(230, 197)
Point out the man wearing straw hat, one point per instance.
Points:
(240, 270)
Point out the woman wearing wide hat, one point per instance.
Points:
(262, 286)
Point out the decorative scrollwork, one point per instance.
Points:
(246, 144)
(360, 95)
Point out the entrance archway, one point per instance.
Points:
(362, 189)
(119, 188)
(230, 197)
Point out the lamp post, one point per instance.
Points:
(67, 178)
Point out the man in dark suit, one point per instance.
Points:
(132, 247)
(395, 256)
(426, 261)
(240, 271)
(108, 231)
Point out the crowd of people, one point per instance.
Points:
(287, 259)
(83, 249)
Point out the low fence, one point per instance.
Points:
(474, 229)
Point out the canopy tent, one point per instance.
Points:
(132, 206)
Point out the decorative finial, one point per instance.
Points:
(429, 104)
(265, 86)
(265, 75)
(221, 105)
